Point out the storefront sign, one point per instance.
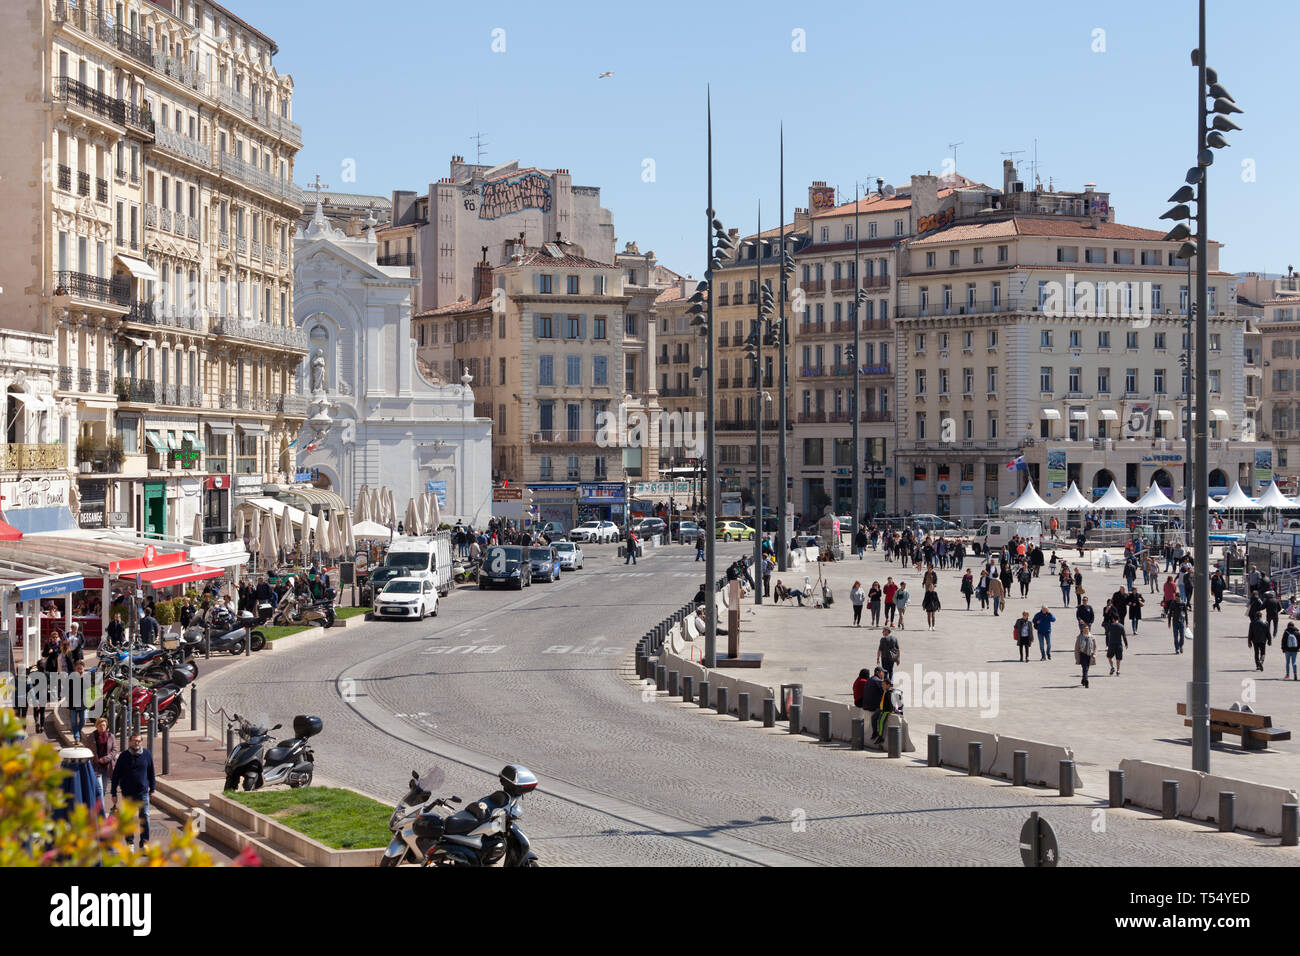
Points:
(603, 493)
(216, 482)
(187, 456)
(34, 492)
(306, 475)
(91, 515)
(1166, 458)
(118, 519)
(55, 586)
(508, 494)
(248, 484)
(650, 489)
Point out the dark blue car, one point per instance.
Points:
(545, 564)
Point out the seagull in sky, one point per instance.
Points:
(605, 74)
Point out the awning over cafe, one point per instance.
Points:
(138, 268)
(37, 520)
(54, 585)
(180, 574)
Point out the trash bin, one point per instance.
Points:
(790, 694)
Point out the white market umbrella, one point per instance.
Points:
(435, 510)
(390, 507)
(349, 542)
(338, 531)
(198, 526)
(1154, 498)
(1028, 501)
(304, 539)
(363, 503)
(323, 538)
(426, 516)
(1237, 500)
(1112, 500)
(287, 543)
(411, 522)
(369, 529)
(1073, 500)
(255, 534)
(1273, 498)
(240, 524)
(268, 546)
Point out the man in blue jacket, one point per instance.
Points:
(133, 772)
(1043, 625)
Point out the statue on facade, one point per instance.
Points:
(318, 373)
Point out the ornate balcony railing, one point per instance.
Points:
(165, 218)
(65, 178)
(241, 245)
(258, 113)
(193, 223)
(103, 381)
(255, 331)
(150, 215)
(180, 72)
(398, 259)
(79, 285)
(14, 456)
(83, 184)
(85, 380)
(293, 405)
(223, 240)
(250, 175)
(101, 190)
(65, 378)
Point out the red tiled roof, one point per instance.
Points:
(1030, 226)
(456, 308)
(775, 233)
(540, 257)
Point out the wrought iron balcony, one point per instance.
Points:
(103, 381)
(180, 72)
(65, 378)
(115, 291)
(150, 215)
(165, 219)
(250, 175)
(255, 331)
(258, 113)
(101, 190)
(85, 379)
(65, 178)
(877, 416)
(293, 405)
(14, 457)
(193, 223)
(398, 259)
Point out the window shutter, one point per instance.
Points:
(582, 327)
(537, 282)
(537, 326)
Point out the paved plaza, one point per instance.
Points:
(1129, 715)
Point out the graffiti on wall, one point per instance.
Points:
(506, 196)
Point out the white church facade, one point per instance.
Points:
(373, 418)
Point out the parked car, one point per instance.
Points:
(647, 527)
(570, 555)
(595, 532)
(506, 564)
(686, 531)
(727, 530)
(408, 597)
(545, 564)
(933, 523)
(553, 530)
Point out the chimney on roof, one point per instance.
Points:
(925, 196)
(485, 249)
(1008, 176)
(482, 279)
(880, 187)
(802, 223)
(557, 236)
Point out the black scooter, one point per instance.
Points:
(289, 761)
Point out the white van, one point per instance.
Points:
(427, 556)
(997, 532)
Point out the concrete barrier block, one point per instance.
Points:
(841, 717)
(1144, 786)
(1258, 806)
(1043, 769)
(896, 720)
(954, 752)
(757, 693)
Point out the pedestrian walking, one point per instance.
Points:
(1078, 585)
(699, 547)
(133, 773)
(930, 605)
(901, 599)
(103, 747)
(1272, 610)
(768, 564)
(997, 593)
(968, 586)
(888, 653)
(78, 689)
(1259, 638)
(982, 590)
(1043, 621)
(1177, 612)
(890, 590)
(857, 597)
(630, 548)
(1085, 651)
(1217, 587)
(1116, 641)
(1066, 583)
(1023, 576)
(1290, 647)
(1135, 604)
(1022, 632)
(874, 597)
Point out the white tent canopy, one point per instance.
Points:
(370, 529)
(1028, 501)
(1112, 500)
(1273, 498)
(1154, 498)
(1237, 500)
(1073, 500)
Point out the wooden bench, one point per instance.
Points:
(1255, 730)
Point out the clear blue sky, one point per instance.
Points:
(880, 91)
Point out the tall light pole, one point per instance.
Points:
(1207, 140)
(857, 368)
(782, 495)
(758, 405)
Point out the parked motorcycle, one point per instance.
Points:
(224, 635)
(170, 696)
(289, 761)
(303, 611)
(406, 847)
(485, 833)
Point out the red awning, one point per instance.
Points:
(181, 574)
(138, 565)
(8, 532)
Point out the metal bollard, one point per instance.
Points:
(230, 739)
(704, 693)
(673, 683)
(194, 707)
(688, 686)
(640, 662)
(1227, 811)
(661, 677)
(1067, 778)
(248, 640)
(932, 742)
(1290, 824)
(858, 733)
(769, 711)
(153, 733)
(742, 706)
(1170, 794)
(894, 739)
(1019, 768)
(1117, 788)
(824, 726)
(153, 713)
(796, 718)
(207, 643)
(974, 757)
(723, 707)
(166, 751)
(124, 718)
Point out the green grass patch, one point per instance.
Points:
(346, 612)
(275, 632)
(340, 819)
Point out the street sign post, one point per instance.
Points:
(1038, 845)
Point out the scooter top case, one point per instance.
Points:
(304, 726)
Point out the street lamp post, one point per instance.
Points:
(782, 494)
(858, 294)
(758, 405)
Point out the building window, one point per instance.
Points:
(1045, 379)
(1103, 340)
(1131, 340)
(1158, 381)
(954, 257)
(573, 370)
(977, 255)
(572, 327)
(871, 230)
(898, 227)
(1003, 253)
(598, 327)
(920, 382)
(573, 473)
(1075, 384)
(993, 378)
(1045, 339)
(920, 426)
(1131, 381)
(543, 283)
(929, 260)
(599, 370)
(546, 370)
(993, 426)
(1075, 336)
(1103, 380)
(572, 285)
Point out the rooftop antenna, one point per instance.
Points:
(1033, 167)
(1011, 154)
(478, 148)
(953, 147)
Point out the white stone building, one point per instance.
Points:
(374, 418)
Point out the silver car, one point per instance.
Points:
(570, 555)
